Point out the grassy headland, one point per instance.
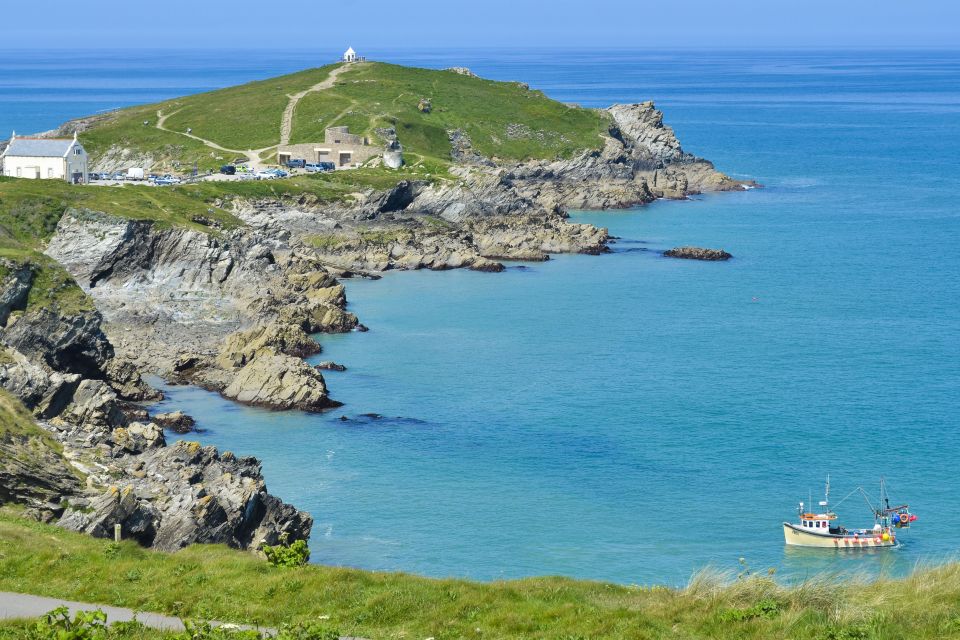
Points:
(503, 119)
(216, 582)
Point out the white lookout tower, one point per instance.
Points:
(350, 55)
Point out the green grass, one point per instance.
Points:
(386, 95)
(30, 209)
(16, 420)
(216, 582)
(503, 119)
(244, 117)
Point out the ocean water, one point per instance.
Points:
(630, 417)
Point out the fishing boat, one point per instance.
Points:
(822, 529)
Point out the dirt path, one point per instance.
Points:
(286, 125)
(252, 154)
(161, 119)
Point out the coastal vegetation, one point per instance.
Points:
(214, 582)
(506, 120)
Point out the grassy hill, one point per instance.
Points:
(503, 119)
(216, 582)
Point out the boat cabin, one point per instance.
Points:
(818, 522)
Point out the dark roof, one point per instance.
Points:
(40, 147)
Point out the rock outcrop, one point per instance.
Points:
(697, 253)
(172, 294)
(75, 453)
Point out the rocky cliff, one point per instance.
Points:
(76, 451)
(485, 211)
(172, 297)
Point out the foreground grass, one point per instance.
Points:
(216, 582)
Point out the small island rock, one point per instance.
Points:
(697, 253)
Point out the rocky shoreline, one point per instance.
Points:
(233, 311)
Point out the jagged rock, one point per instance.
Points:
(14, 287)
(176, 421)
(69, 344)
(279, 381)
(94, 404)
(330, 365)
(697, 253)
(138, 437)
(463, 71)
(243, 347)
(210, 498)
(32, 470)
(127, 382)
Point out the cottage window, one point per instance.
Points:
(77, 151)
(50, 172)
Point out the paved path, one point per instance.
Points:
(286, 125)
(19, 605)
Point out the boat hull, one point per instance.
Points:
(795, 536)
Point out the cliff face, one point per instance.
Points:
(170, 296)
(75, 451)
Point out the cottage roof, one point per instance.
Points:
(350, 52)
(40, 147)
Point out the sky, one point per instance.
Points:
(243, 25)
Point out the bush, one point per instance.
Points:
(766, 608)
(57, 625)
(287, 555)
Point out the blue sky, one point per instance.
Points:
(424, 24)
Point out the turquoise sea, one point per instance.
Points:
(627, 416)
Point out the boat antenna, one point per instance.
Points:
(826, 495)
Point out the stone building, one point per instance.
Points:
(45, 159)
(339, 146)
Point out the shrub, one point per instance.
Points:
(287, 555)
(57, 625)
(766, 608)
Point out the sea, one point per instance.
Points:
(630, 417)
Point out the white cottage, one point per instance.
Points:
(350, 55)
(45, 158)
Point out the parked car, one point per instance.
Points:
(228, 170)
(264, 175)
(296, 163)
(320, 166)
(166, 180)
(280, 173)
(93, 176)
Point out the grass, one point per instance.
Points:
(503, 119)
(244, 117)
(26, 450)
(30, 209)
(216, 582)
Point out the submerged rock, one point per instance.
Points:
(697, 253)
